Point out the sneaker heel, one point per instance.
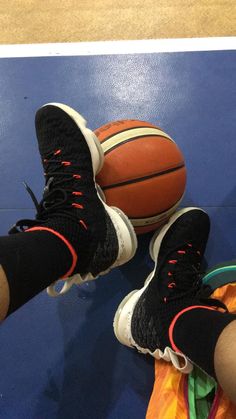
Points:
(100, 157)
(153, 251)
(100, 193)
(122, 319)
(125, 233)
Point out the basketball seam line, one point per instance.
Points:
(128, 182)
(132, 139)
(127, 129)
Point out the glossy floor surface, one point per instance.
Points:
(59, 358)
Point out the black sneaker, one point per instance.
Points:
(99, 237)
(144, 319)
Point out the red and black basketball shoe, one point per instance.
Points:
(99, 237)
(145, 318)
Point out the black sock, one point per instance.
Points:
(196, 332)
(77, 235)
(31, 262)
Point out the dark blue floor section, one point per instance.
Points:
(58, 357)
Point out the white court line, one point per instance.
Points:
(118, 47)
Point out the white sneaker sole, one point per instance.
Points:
(124, 313)
(126, 236)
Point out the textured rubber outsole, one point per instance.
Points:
(122, 330)
(123, 318)
(125, 233)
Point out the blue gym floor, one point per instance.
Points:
(59, 358)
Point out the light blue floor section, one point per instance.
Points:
(59, 358)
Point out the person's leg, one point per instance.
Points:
(225, 360)
(4, 295)
(208, 338)
(172, 317)
(31, 262)
(74, 232)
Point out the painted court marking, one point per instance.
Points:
(118, 47)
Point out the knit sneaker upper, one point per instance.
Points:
(70, 203)
(176, 282)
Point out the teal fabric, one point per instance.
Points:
(220, 275)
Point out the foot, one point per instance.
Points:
(145, 318)
(99, 237)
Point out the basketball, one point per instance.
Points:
(144, 172)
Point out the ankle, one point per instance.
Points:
(195, 333)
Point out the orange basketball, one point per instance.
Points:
(144, 172)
